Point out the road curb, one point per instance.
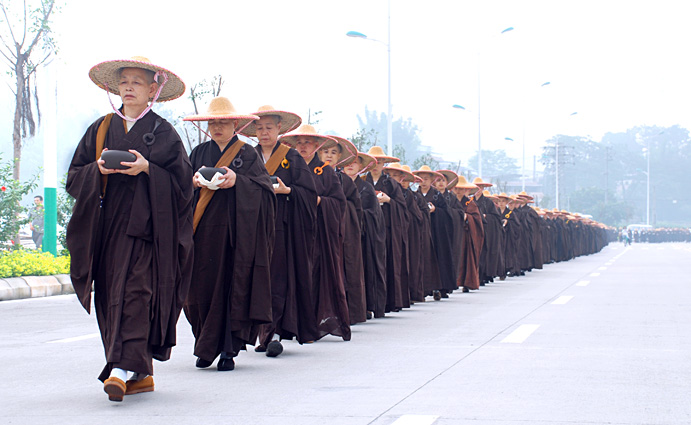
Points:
(16, 288)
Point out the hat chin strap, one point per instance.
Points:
(148, 108)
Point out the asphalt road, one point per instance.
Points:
(603, 339)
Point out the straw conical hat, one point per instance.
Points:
(410, 177)
(378, 152)
(306, 130)
(478, 182)
(417, 178)
(426, 170)
(464, 184)
(106, 76)
(451, 177)
(486, 194)
(348, 149)
(523, 194)
(220, 108)
(289, 121)
(367, 162)
(502, 196)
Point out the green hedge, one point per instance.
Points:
(23, 262)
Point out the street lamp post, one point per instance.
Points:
(647, 197)
(557, 164)
(546, 83)
(479, 121)
(355, 34)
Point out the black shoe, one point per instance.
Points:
(482, 283)
(202, 364)
(225, 364)
(261, 348)
(274, 349)
(437, 295)
(466, 289)
(444, 294)
(370, 315)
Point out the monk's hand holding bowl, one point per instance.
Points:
(228, 179)
(103, 169)
(140, 165)
(282, 189)
(383, 198)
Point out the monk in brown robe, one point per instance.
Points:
(230, 294)
(391, 198)
(473, 236)
(442, 233)
(413, 278)
(331, 305)
(292, 292)
(444, 184)
(337, 153)
(428, 257)
(130, 235)
(373, 237)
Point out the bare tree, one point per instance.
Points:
(197, 92)
(26, 43)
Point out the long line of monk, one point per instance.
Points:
(294, 238)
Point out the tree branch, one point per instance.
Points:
(38, 64)
(24, 35)
(7, 20)
(44, 23)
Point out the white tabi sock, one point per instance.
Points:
(276, 337)
(119, 373)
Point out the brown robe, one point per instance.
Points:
(331, 307)
(430, 266)
(135, 244)
(230, 294)
(415, 260)
(373, 248)
(353, 271)
(397, 296)
(292, 289)
(473, 238)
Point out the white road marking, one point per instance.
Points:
(74, 339)
(602, 268)
(562, 300)
(416, 420)
(594, 274)
(520, 334)
(583, 283)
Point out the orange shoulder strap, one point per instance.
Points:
(206, 194)
(100, 141)
(276, 159)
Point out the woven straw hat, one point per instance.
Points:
(451, 177)
(479, 183)
(289, 121)
(106, 76)
(525, 195)
(306, 130)
(426, 170)
(409, 177)
(464, 184)
(348, 149)
(503, 196)
(378, 152)
(418, 179)
(367, 162)
(486, 194)
(220, 108)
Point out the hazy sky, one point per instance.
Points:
(617, 63)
